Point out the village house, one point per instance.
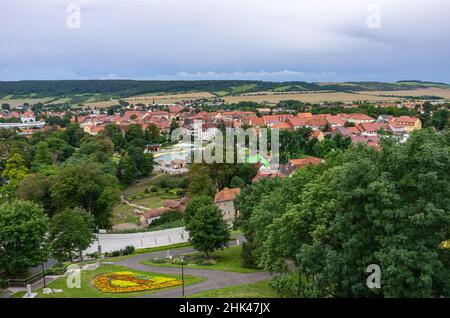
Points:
(178, 164)
(318, 134)
(148, 217)
(224, 201)
(153, 147)
(357, 118)
(28, 117)
(303, 162)
(408, 123)
(169, 205)
(371, 129)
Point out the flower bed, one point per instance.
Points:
(126, 282)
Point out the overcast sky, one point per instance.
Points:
(277, 40)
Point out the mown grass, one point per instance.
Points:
(257, 290)
(87, 290)
(228, 259)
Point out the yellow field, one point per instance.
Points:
(21, 101)
(307, 97)
(431, 91)
(101, 104)
(167, 99)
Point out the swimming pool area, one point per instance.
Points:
(185, 152)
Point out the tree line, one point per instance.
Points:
(59, 186)
(319, 230)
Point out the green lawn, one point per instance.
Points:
(89, 291)
(228, 259)
(256, 290)
(123, 213)
(136, 194)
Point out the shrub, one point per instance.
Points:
(163, 182)
(128, 250)
(247, 259)
(159, 260)
(3, 282)
(169, 217)
(207, 263)
(285, 285)
(93, 255)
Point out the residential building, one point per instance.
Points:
(224, 201)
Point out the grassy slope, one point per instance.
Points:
(89, 291)
(256, 290)
(230, 260)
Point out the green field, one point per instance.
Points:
(87, 290)
(257, 290)
(228, 259)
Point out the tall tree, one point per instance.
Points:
(207, 230)
(15, 171)
(71, 232)
(23, 226)
(83, 183)
(200, 183)
(389, 208)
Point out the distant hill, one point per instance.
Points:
(82, 90)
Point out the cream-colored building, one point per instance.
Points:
(224, 201)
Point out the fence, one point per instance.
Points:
(23, 282)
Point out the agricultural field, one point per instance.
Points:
(20, 101)
(273, 98)
(100, 104)
(430, 91)
(167, 98)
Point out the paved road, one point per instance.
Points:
(214, 279)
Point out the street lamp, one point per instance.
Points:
(43, 247)
(99, 247)
(182, 271)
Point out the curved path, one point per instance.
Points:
(214, 279)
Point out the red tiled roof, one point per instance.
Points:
(156, 212)
(371, 127)
(282, 126)
(405, 120)
(358, 116)
(271, 119)
(299, 163)
(297, 122)
(172, 204)
(226, 194)
(336, 120)
(305, 115)
(256, 121)
(317, 122)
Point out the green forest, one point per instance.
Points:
(127, 88)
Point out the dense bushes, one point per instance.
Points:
(169, 217)
(128, 250)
